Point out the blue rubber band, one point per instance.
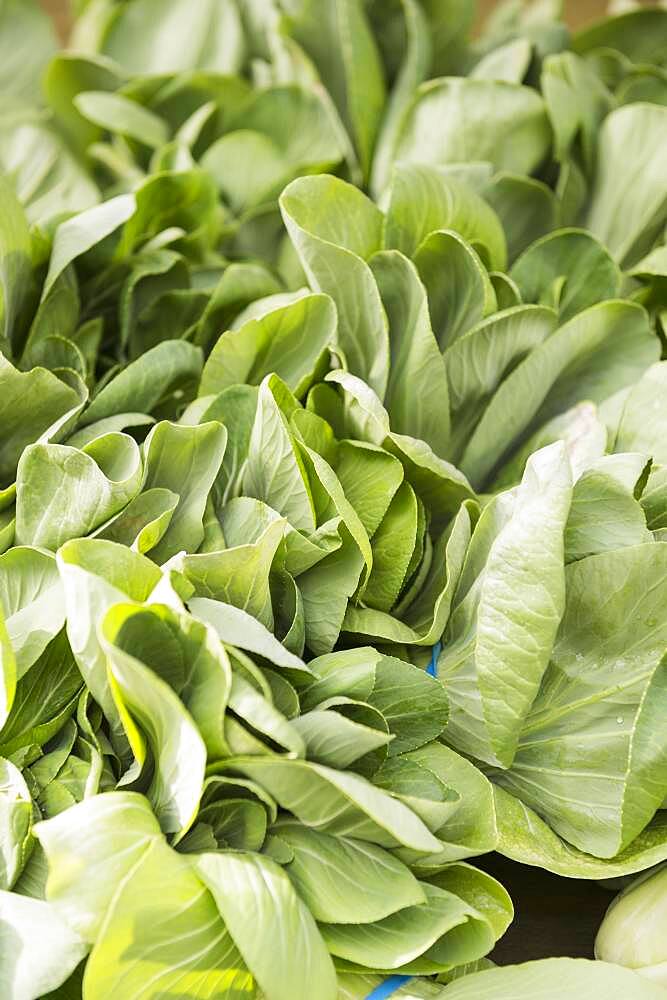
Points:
(432, 668)
(389, 986)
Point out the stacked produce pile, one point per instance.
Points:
(331, 350)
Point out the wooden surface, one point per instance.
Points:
(577, 11)
(553, 916)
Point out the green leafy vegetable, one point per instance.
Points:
(330, 333)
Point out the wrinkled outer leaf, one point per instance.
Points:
(555, 979)
(525, 837)
(523, 598)
(607, 675)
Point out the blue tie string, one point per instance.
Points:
(389, 986)
(432, 668)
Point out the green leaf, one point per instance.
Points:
(654, 498)
(91, 849)
(67, 75)
(290, 341)
(28, 42)
(614, 672)
(279, 133)
(147, 382)
(237, 628)
(339, 733)
(298, 121)
(635, 137)
(15, 264)
(244, 520)
(458, 119)
(248, 168)
(263, 717)
(97, 574)
(186, 461)
(184, 653)
(179, 753)
(154, 275)
(472, 828)
(391, 558)
(636, 34)
(36, 405)
(254, 896)
(240, 284)
(344, 880)
(82, 232)
(599, 352)
(424, 619)
(641, 417)
(460, 293)
(444, 202)
(520, 601)
(337, 802)
(527, 209)
(420, 789)
(143, 523)
(15, 824)
(49, 180)
(274, 472)
(568, 270)
(553, 979)
(362, 414)
(44, 699)
(509, 62)
(580, 428)
(239, 575)
(336, 36)
(148, 37)
(416, 61)
(527, 838)
(415, 356)
(235, 408)
(33, 602)
(325, 590)
(63, 493)
(28, 972)
(605, 513)
(118, 114)
(370, 478)
(413, 704)
(162, 934)
(335, 229)
(414, 939)
(477, 363)
(577, 102)
(186, 199)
